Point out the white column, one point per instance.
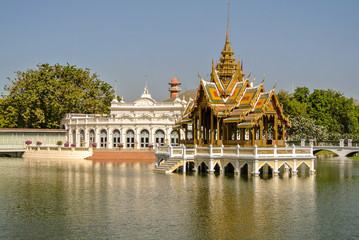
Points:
(136, 138)
(69, 134)
(86, 136)
(167, 136)
(123, 137)
(152, 137)
(97, 137)
(275, 170)
(211, 167)
(109, 138)
(255, 168)
(77, 137)
(294, 170)
(312, 169)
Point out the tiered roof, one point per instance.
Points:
(232, 97)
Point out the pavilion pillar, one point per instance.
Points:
(194, 130)
(266, 129)
(179, 136)
(252, 135)
(186, 134)
(218, 132)
(212, 133)
(200, 126)
(283, 133)
(261, 132)
(275, 128)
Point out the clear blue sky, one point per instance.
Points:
(305, 43)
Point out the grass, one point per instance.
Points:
(325, 153)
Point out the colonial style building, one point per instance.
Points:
(134, 125)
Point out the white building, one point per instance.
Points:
(135, 124)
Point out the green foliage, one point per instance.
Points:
(38, 98)
(327, 110)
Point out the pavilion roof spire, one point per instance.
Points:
(227, 35)
(227, 65)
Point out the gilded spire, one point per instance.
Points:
(227, 65)
(227, 36)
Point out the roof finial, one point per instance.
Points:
(227, 37)
(146, 89)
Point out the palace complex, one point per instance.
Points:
(134, 125)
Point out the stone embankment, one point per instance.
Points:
(56, 153)
(123, 155)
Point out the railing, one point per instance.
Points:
(313, 142)
(44, 148)
(222, 151)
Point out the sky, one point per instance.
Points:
(309, 43)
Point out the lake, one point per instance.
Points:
(83, 200)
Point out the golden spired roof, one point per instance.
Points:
(227, 65)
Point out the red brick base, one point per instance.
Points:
(128, 156)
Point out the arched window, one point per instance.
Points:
(74, 136)
(174, 138)
(92, 137)
(116, 138)
(145, 138)
(130, 139)
(82, 138)
(103, 139)
(160, 137)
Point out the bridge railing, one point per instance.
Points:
(314, 142)
(183, 151)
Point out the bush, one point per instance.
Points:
(120, 145)
(38, 143)
(59, 143)
(94, 144)
(150, 145)
(66, 144)
(28, 142)
(73, 145)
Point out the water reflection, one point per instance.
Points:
(81, 199)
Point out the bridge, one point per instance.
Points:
(343, 147)
(12, 151)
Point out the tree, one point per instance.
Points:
(38, 98)
(327, 108)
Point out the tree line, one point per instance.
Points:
(321, 114)
(38, 98)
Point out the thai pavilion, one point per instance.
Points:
(230, 110)
(232, 122)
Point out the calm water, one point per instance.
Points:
(83, 200)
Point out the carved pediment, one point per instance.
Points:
(270, 107)
(144, 102)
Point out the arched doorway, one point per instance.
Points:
(160, 137)
(92, 137)
(202, 168)
(82, 138)
(116, 138)
(229, 168)
(74, 137)
(217, 168)
(130, 139)
(103, 139)
(174, 138)
(145, 138)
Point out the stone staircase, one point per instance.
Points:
(169, 165)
